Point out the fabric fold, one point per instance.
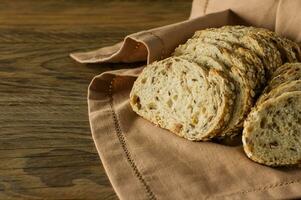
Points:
(288, 19)
(157, 43)
(146, 162)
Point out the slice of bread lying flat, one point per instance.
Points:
(271, 134)
(184, 97)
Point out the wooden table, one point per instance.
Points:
(46, 149)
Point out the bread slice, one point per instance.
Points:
(270, 51)
(292, 73)
(248, 38)
(248, 81)
(229, 57)
(272, 133)
(251, 62)
(289, 86)
(236, 68)
(287, 67)
(289, 50)
(186, 98)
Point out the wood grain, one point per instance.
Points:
(46, 149)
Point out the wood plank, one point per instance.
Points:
(46, 148)
(53, 12)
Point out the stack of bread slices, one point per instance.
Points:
(208, 87)
(272, 131)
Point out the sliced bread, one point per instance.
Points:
(292, 67)
(234, 66)
(251, 61)
(248, 38)
(289, 50)
(184, 97)
(289, 86)
(290, 74)
(271, 134)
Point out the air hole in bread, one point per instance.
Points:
(163, 72)
(203, 110)
(153, 79)
(143, 81)
(152, 106)
(292, 149)
(195, 120)
(169, 103)
(192, 126)
(273, 144)
(263, 123)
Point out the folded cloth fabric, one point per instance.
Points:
(146, 162)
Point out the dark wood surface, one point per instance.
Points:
(46, 149)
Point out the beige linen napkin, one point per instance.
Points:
(146, 162)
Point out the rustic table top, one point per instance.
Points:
(46, 148)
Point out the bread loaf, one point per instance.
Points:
(207, 88)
